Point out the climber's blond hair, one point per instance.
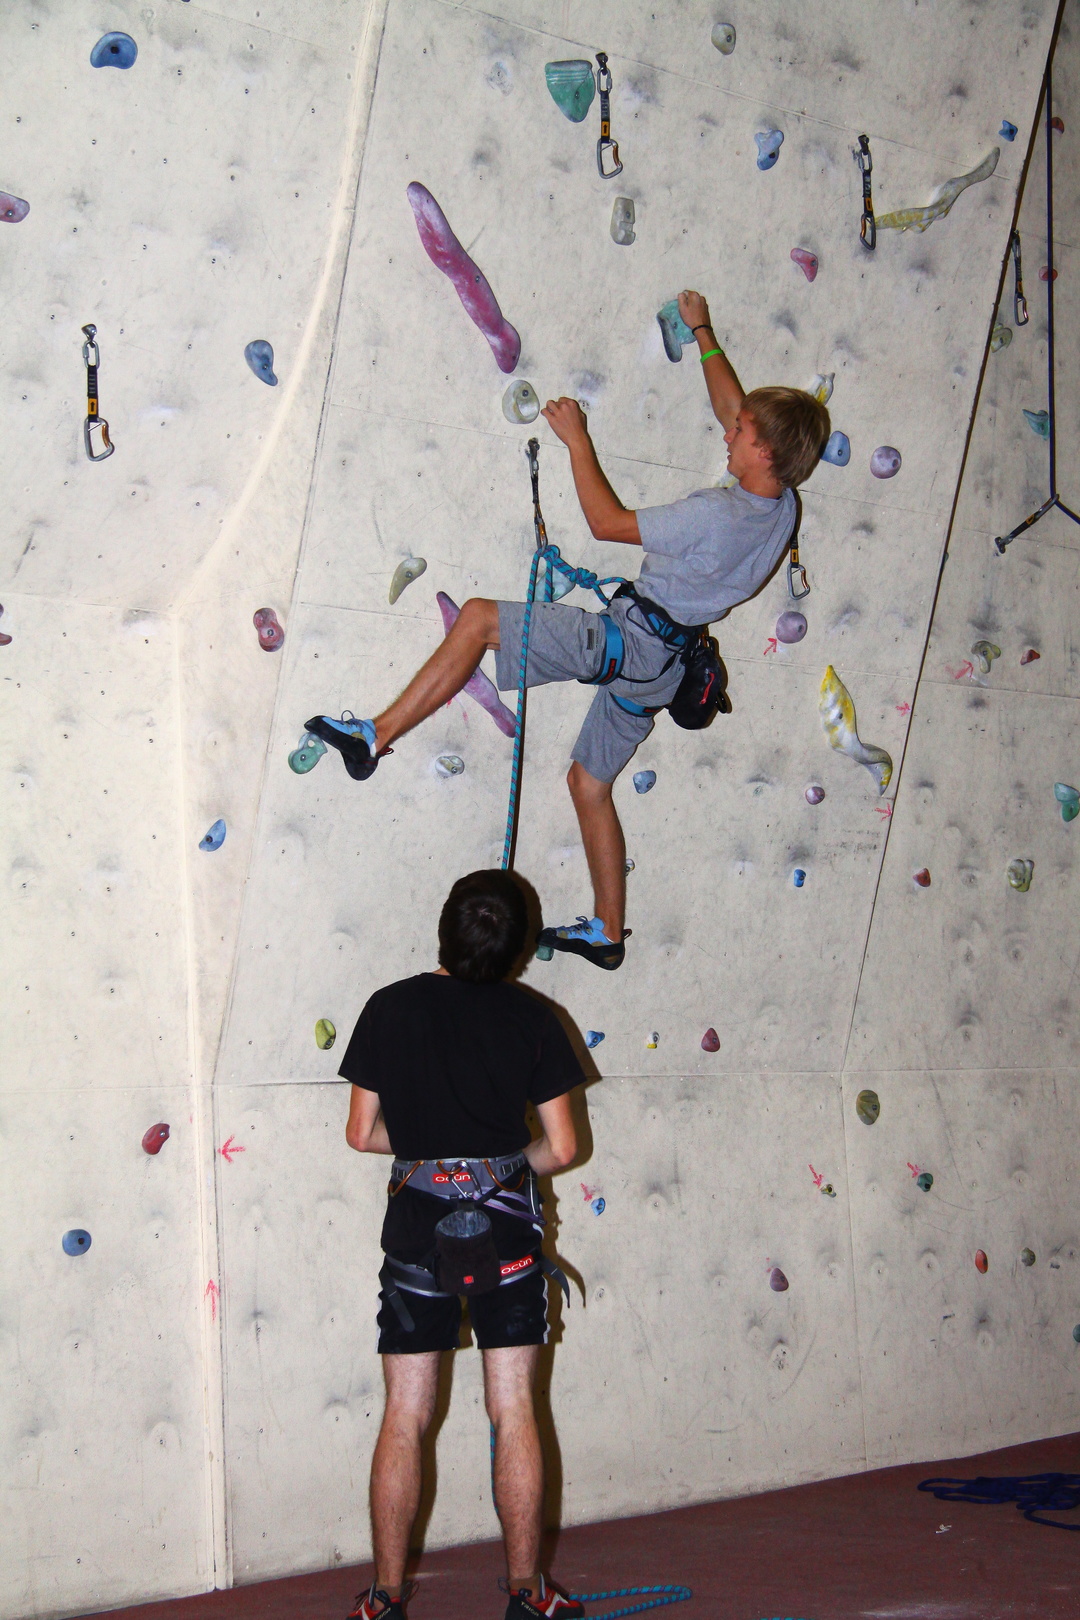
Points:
(795, 427)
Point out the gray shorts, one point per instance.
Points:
(566, 643)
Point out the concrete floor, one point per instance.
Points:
(866, 1547)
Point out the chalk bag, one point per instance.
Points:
(465, 1257)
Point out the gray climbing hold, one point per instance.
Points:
(404, 574)
(1000, 337)
(1019, 873)
(723, 37)
(885, 461)
(623, 217)
(1027, 1257)
(449, 765)
(520, 403)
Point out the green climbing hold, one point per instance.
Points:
(868, 1106)
(544, 953)
(985, 652)
(572, 87)
(325, 1034)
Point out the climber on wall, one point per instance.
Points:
(479, 1051)
(703, 555)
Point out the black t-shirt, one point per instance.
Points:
(455, 1066)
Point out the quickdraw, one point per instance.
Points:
(1020, 309)
(603, 85)
(94, 425)
(796, 573)
(868, 227)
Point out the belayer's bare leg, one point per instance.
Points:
(411, 1385)
(475, 631)
(605, 847)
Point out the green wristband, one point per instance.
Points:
(709, 354)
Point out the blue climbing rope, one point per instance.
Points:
(658, 1596)
(553, 563)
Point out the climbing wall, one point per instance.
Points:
(197, 1392)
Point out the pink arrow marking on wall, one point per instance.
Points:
(903, 708)
(230, 1147)
(817, 1179)
(590, 1192)
(211, 1292)
(769, 647)
(966, 668)
(914, 1168)
(883, 810)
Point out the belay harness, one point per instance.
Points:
(464, 1260)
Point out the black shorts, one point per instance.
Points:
(514, 1313)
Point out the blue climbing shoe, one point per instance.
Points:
(354, 739)
(584, 938)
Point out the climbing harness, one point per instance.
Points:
(94, 424)
(1020, 309)
(868, 228)
(605, 143)
(470, 1186)
(1020, 304)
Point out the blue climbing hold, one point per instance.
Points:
(644, 780)
(114, 50)
(260, 357)
(838, 449)
(1039, 423)
(1007, 132)
(593, 1037)
(598, 1206)
(76, 1241)
(769, 142)
(215, 837)
(798, 877)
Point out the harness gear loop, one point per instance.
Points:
(603, 85)
(1020, 309)
(94, 424)
(868, 227)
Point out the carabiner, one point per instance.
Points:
(796, 573)
(1020, 309)
(868, 227)
(94, 424)
(605, 143)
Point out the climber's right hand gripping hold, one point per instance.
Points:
(605, 514)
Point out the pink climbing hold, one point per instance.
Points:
(710, 1041)
(1030, 656)
(155, 1138)
(447, 254)
(806, 261)
(921, 877)
(13, 209)
(777, 1281)
(5, 641)
(1058, 124)
(478, 685)
(981, 1262)
(271, 635)
(1046, 274)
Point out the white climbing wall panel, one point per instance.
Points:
(195, 1398)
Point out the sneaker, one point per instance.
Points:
(354, 739)
(379, 1605)
(584, 938)
(547, 1604)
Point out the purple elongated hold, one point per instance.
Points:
(447, 254)
(478, 686)
(13, 209)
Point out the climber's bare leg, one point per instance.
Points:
(475, 631)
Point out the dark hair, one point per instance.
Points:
(482, 927)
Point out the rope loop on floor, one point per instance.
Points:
(658, 1596)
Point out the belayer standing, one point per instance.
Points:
(443, 1067)
(703, 556)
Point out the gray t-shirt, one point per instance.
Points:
(705, 554)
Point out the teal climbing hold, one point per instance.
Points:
(925, 1181)
(1069, 800)
(307, 753)
(572, 87)
(1039, 423)
(674, 329)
